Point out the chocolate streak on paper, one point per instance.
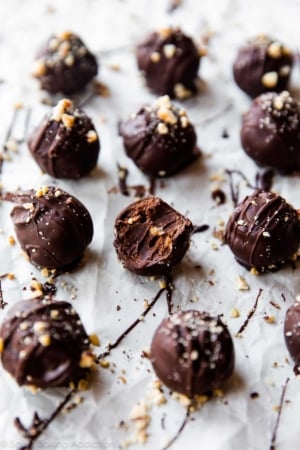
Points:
(2, 302)
(169, 291)
(8, 135)
(264, 180)
(181, 428)
(250, 314)
(122, 178)
(110, 347)
(234, 188)
(38, 425)
(200, 228)
(274, 435)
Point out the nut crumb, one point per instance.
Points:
(242, 284)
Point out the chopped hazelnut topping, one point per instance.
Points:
(269, 319)
(181, 92)
(104, 363)
(53, 44)
(91, 136)
(87, 360)
(10, 276)
(83, 385)
(57, 193)
(11, 240)
(39, 68)
(11, 145)
(166, 115)
(274, 50)
(39, 327)
(45, 340)
(270, 79)
(68, 120)
(169, 50)
(284, 71)
(184, 121)
(1, 345)
(155, 57)
(234, 313)
(65, 35)
(155, 231)
(69, 60)
(162, 128)
(162, 284)
(94, 340)
(60, 109)
(41, 191)
(164, 32)
(254, 271)
(54, 314)
(24, 325)
(242, 284)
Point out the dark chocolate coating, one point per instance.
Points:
(65, 147)
(65, 65)
(270, 132)
(258, 57)
(160, 139)
(292, 334)
(43, 342)
(151, 237)
(169, 58)
(53, 228)
(263, 231)
(192, 353)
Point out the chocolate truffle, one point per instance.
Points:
(44, 344)
(160, 138)
(292, 334)
(65, 65)
(53, 227)
(262, 65)
(263, 232)
(65, 144)
(169, 61)
(151, 237)
(270, 132)
(192, 353)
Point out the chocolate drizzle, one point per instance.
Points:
(8, 135)
(274, 434)
(38, 426)
(181, 428)
(169, 291)
(250, 314)
(235, 188)
(2, 302)
(125, 333)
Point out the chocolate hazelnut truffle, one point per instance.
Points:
(262, 65)
(292, 334)
(169, 61)
(263, 232)
(192, 353)
(160, 138)
(151, 237)
(65, 65)
(65, 144)
(44, 344)
(53, 227)
(270, 132)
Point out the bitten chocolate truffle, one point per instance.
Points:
(262, 65)
(169, 61)
(53, 227)
(44, 344)
(192, 353)
(263, 232)
(292, 334)
(151, 237)
(65, 144)
(65, 65)
(160, 139)
(270, 132)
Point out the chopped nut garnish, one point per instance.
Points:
(155, 231)
(242, 284)
(104, 363)
(39, 327)
(184, 121)
(94, 340)
(87, 360)
(83, 385)
(162, 128)
(18, 105)
(11, 240)
(166, 115)
(45, 340)
(284, 71)
(155, 57)
(60, 109)
(164, 32)
(11, 145)
(254, 271)
(1, 345)
(162, 284)
(269, 319)
(10, 276)
(68, 120)
(65, 35)
(91, 136)
(181, 92)
(219, 392)
(41, 191)
(275, 50)
(169, 50)
(270, 79)
(54, 313)
(234, 313)
(69, 60)
(39, 68)
(101, 89)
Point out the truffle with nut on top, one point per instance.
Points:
(169, 61)
(64, 65)
(261, 65)
(52, 226)
(160, 139)
(270, 132)
(44, 344)
(66, 143)
(192, 353)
